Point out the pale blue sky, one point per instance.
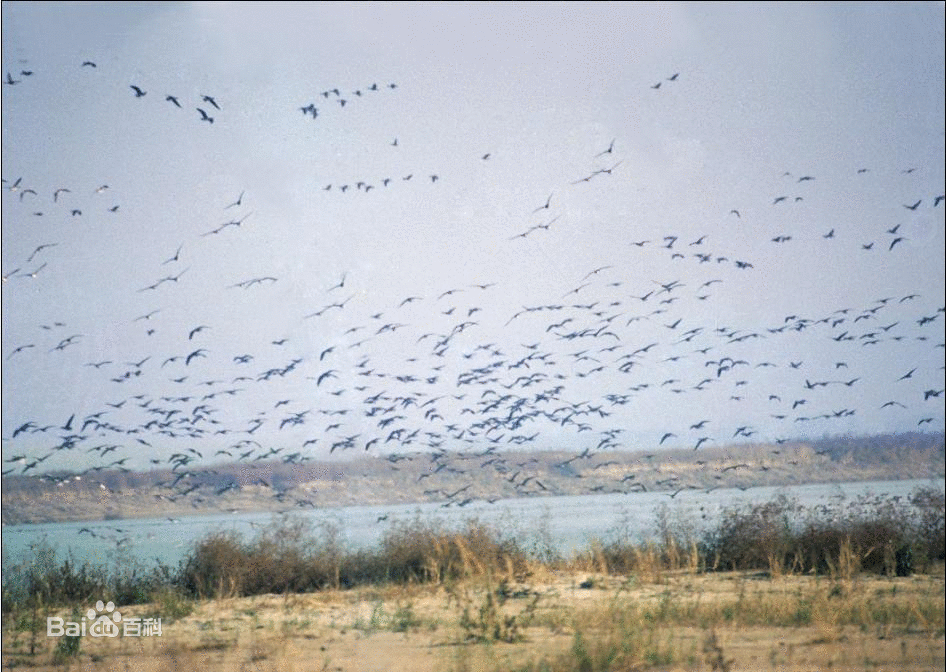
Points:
(849, 94)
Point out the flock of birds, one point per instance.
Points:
(474, 378)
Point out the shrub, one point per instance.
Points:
(756, 537)
(931, 533)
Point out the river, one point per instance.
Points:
(557, 524)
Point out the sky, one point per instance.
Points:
(466, 227)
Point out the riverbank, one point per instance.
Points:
(459, 478)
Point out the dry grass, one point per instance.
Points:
(803, 595)
(724, 621)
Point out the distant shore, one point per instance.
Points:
(459, 478)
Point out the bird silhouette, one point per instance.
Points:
(138, 91)
(237, 202)
(609, 150)
(548, 202)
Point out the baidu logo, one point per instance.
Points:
(103, 621)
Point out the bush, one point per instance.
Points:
(290, 558)
(931, 542)
(882, 536)
(425, 552)
(889, 536)
(757, 537)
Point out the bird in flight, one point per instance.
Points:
(609, 150)
(204, 116)
(177, 255)
(21, 349)
(40, 249)
(237, 202)
(172, 99)
(196, 330)
(138, 91)
(341, 282)
(209, 99)
(548, 202)
(328, 374)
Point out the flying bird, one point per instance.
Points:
(39, 249)
(195, 331)
(177, 255)
(328, 374)
(138, 91)
(237, 202)
(341, 282)
(609, 150)
(548, 202)
(204, 116)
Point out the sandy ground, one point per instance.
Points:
(420, 629)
